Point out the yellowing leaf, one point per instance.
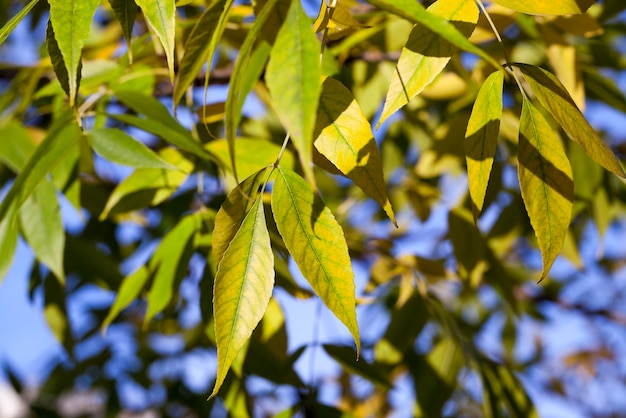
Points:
(481, 138)
(243, 287)
(426, 53)
(345, 138)
(160, 16)
(553, 96)
(546, 183)
(543, 7)
(293, 78)
(316, 242)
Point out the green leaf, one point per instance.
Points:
(201, 44)
(16, 151)
(63, 133)
(243, 287)
(8, 243)
(481, 138)
(414, 12)
(317, 244)
(344, 136)
(295, 57)
(426, 53)
(546, 182)
(41, 225)
(71, 21)
(117, 146)
(15, 20)
(161, 16)
(599, 87)
(58, 64)
(125, 12)
(553, 96)
(347, 358)
(542, 7)
(128, 292)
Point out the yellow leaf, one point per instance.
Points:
(543, 7)
(344, 136)
(426, 54)
(316, 242)
(546, 183)
(243, 287)
(481, 138)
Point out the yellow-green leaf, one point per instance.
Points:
(8, 243)
(317, 244)
(125, 12)
(553, 96)
(117, 146)
(543, 7)
(15, 20)
(243, 287)
(546, 183)
(160, 15)
(426, 53)
(71, 21)
(293, 78)
(481, 138)
(128, 291)
(344, 136)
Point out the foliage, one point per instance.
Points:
(374, 102)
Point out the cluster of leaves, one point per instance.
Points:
(456, 86)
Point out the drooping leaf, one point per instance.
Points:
(295, 57)
(58, 63)
(8, 243)
(201, 44)
(125, 12)
(71, 21)
(117, 146)
(344, 136)
(481, 138)
(316, 242)
(546, 182)
(160, 16)
(541, 7)
(243, 287)
(6, 30)
(16, 151)
(426, 53)
(553, 96)
(128, 292)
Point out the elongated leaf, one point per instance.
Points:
(426, 53)
(58, 63)
(125, 12)
(16, 151)
(481, 138)
(150, 107)
(201, 44)
(119, 147)
(553, 96)
(316, 242)
(344, 136)
(243, 287)
(15, 20)
(293, 78)
(41, 225)
(542, 7)
(160, 15)
(61, 135)
(414, 12)
(71, 21)
(546, 182)
(346, 357)
(128, 292)
(8, 243)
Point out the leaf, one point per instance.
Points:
(71, 21)
(201, 44)
(542, 7)
(41, 225)
(15, 20)
(8, 243)
(161, 15)
(243, 287)
(481, 138)
(316, 242)
(125, 12)
(295, 57)
(426, 53)
(344, 136)
(128, 292)
(117, 146)
(553, 96)
(546, 182)
(63, 133)
(58, 64)
(346, 357)
(16, 152)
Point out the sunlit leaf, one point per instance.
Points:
(129, 290)
(546, 182)
(119, 147)
(344, 136)
(295, 57)
(426, 53)
(16, 151)
(6, 30)
(8, 243)
(481, 138)
(58, 63)
(542, 7)
(316, 242)
(557, 101)
(243, 287)
(160, 15)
